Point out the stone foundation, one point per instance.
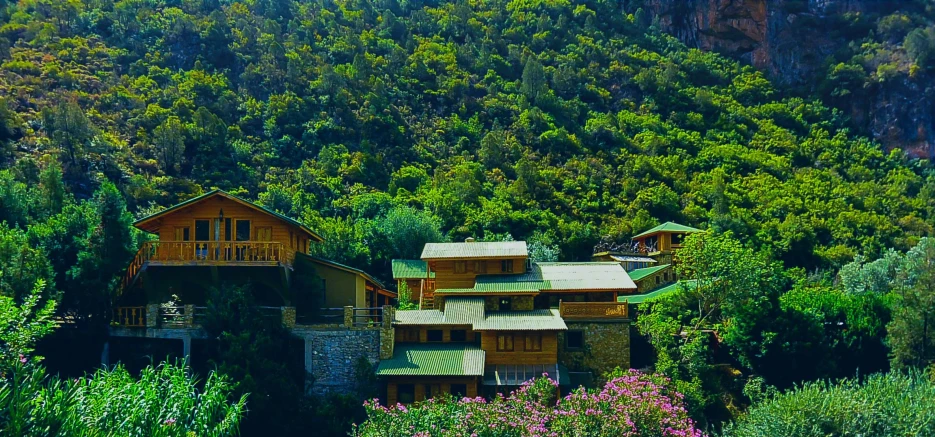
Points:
(606, 346)
(331, 357)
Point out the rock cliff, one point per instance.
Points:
(794, 42)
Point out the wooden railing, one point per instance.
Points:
(592, 310)
(133, 269)
(130, 316)
(215, 251)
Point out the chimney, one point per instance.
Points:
(469, 240)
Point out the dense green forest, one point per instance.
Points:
(554, 122)
(389, 123)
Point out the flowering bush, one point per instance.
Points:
(634, 404)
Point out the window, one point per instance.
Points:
(460, 266)
(677, 238)
(652, 243)
(458, 390)
(534, 342)
(458, 335)
(480, 266)
(202, 230)
(183, 234)
(506, 266)
(227, 230)
(657, 279)
(505, 343)
(434, 335)
(410, 335)
(264, 233)
(243, 230)
(506, 303)
(574, 339)
(665, 276)
(406, 393)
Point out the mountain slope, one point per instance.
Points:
(550, 120)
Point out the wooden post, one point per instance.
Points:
(152, 315)
(188, 316)
(288, 317)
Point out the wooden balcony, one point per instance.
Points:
(209, 253)
(593, 310)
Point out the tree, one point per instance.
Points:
(406, 231)
(534, 80)
(169, 139)
(911, 333)
(69, 129)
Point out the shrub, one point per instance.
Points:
(633, 404)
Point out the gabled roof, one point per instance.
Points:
(535, 320)
(142, 223)
(410, 269)
(661, 291)
(470, 311)
(638, 274)
(666, 227)
(340, 266)
(475, 250)
(445, 359)
(559, 276)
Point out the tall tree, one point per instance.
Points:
(911, 333)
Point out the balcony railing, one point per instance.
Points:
(130, 316)
(207, 253)
(593, 310)
(192, 317)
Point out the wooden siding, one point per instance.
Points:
(548, 354)
(419, 334)
(342, 288)
(427, 387)
(447, 277)
(262, 226)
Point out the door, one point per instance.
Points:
(242, 234)
(202, 237)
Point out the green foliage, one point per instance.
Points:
(405, 297)
(911, 334)
(883, 404)
(23, 324)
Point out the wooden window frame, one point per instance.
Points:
(258, 229)
(460, 267)
(502, 340)
(480, 266)
(533, 342)
(183, 230)
(451, 336)
(250, 228)
(506, 266)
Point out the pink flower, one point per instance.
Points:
(22, 359)
(168, 422)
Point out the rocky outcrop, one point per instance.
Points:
(792, 41)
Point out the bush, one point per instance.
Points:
(634, 404)
(885, 405)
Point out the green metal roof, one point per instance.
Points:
(661, 291)
(559, 276)
(667, 227)
(421, 317)
(475, 250)
(638, 274)
(535, 320)
(223, 193)
(438, 359)
(410, 269)
(467, 310)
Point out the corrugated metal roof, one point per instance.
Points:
(466, 310)
(421, 317)
(627, 258)
(449, 359)
(560, 276)
(638, 274)
(661, 291)
(516, 374)
(667, 227)
(535, 320)
(478, 249)
(410, 269)
(338, 265)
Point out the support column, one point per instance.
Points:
(387, 333)
(105, 354)
(349, 316)
(188, 316)
(187, 348)
(288, 317)
(152, 315)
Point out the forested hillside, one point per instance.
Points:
(554, 121)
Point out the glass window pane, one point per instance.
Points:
(243, 230)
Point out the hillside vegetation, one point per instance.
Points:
(553, 121)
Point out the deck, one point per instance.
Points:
(208, 253)
(593, 310)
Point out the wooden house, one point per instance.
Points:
(220, 238)
(661, 241)
(495, 320)
(410, 276)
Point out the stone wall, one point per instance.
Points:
(517, 303)
(331, 357)
(606, 346)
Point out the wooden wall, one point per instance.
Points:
(419, 334)
(282, 231)
(548, 355)
(445, 276)
(427, 387)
